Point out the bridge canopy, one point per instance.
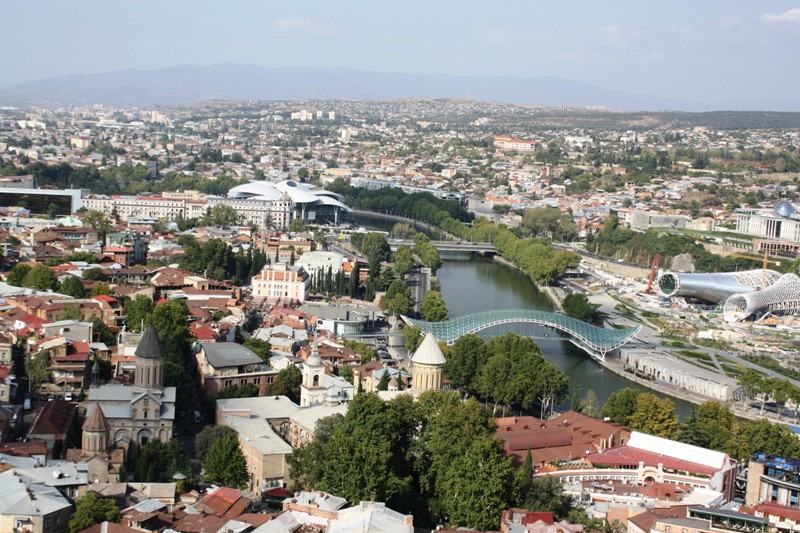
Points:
(597, 341)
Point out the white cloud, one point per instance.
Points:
(792, 15)
(292, 24)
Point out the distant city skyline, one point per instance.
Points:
(728, 53)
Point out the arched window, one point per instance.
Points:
(316, 380)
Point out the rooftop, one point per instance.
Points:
(224, 354)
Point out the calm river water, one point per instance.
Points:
(477, 284)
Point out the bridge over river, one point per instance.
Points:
(450, 246)
(596, 341)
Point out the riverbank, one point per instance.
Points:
(554, 294)
(432, 230)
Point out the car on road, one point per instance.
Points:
(68, 397)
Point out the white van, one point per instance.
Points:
(198, 417)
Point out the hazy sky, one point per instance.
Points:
(732, 51)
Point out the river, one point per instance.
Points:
(472, 284)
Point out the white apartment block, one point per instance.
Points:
(262, 213)
(281, 283)
(507, 142)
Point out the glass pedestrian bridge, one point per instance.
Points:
(597, 342)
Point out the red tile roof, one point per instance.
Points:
(54, 418)
(628, 456)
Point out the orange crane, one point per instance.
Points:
(763, 268)
(652, 274)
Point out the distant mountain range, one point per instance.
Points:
(228, 81)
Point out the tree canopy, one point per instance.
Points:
(433, 307)
(225, 464)
(91, 509)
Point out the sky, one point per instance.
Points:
(743, 53)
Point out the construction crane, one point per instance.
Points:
(767, 260)
(649, 288)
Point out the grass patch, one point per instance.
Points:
(699, 356)
(676, 344)
(769, 363)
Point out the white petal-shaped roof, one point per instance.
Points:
(299, 193)
(325, 200)
(428, 352)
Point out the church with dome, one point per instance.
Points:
(427, 366)
(139, 412)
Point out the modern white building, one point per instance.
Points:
(781, 223)
(307, 203)
(262, 203)
(668, 368)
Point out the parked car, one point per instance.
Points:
(68, 397)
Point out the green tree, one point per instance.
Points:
(298, 225)
(102, 333)
(98, 221)
(547, 495)
(171, 320)
(412, 336)
(346, 373)
(286, 383)
(762, 436)
(590, 405)
(466, 359)
(222, 215)
(137, 312)
(208, 435)
(523, 481)
(225, 464)
(17, 274)
(70, 312)
(87, 257)
(40, 278)
(655, 416)
(36, 368)
(383, 384)
(577, 305)
(101, 287)
(403, 260)
(476, 486)
(92, 509)
(376, 248)
(364, 458)
(398, 300)
(403, 231)
(750, 380)
(433, 308)
(72, 286)
(621, 406)
(94, 274)
(306, 462)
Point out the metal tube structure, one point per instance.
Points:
(781, 297)
(714, 287)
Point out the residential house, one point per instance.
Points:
(223, 364)
(32, 507)
(53, 425)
